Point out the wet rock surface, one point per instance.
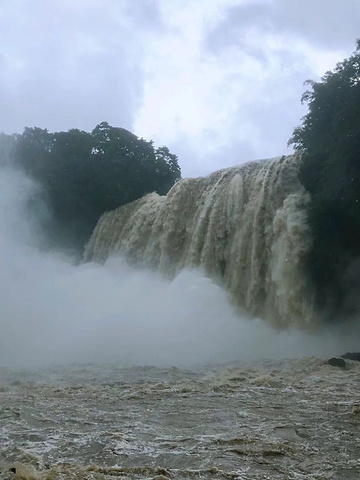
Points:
(294, 419)
(337, 362)
(352, 356)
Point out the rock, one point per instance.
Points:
(337, 362)
(356, 410)
(352, 356)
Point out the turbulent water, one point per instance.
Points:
(285, 420)
(244, 226)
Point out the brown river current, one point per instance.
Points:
(290, 419)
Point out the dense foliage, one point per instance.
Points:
(85, 174)
(329, 138)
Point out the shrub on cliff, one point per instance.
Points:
(329, 138)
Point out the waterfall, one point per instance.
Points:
(244, 226)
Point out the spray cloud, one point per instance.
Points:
(53, 311)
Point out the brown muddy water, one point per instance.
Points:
(291, 419)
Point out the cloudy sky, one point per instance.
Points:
(218, 81)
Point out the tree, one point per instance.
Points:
(167, 168)
(85, 174)
(329, 138)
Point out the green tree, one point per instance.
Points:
(85, 174)
(167, 169)
(329, 138)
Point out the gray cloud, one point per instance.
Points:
(216, 94)
(272, 48)
(196, 164)
(72, 64)
(272, 126)
(334, 24)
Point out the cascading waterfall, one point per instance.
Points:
(245, 226)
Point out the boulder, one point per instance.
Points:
(352, 356)
(337, 362)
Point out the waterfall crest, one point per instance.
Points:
(244, 226)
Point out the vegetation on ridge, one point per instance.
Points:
(85, 174)
(329, 138)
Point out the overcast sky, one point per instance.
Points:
(218, 81)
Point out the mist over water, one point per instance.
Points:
(55, 312)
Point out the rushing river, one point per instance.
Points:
(290, 419)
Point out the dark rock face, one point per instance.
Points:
(337, 362)
(352, 356)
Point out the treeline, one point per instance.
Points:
(85, 174)
(329, 138)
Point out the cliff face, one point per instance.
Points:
(244, 226)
